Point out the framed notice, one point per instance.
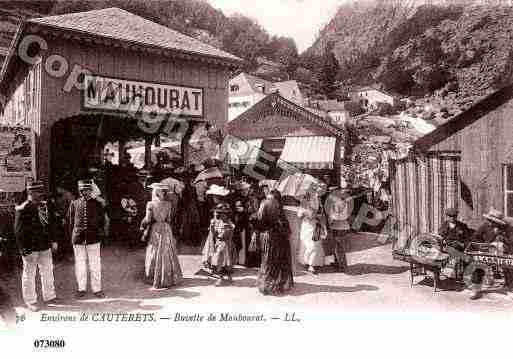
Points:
(16, 158)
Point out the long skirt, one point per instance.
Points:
(162, 267)
(218, 254)
(275, 275)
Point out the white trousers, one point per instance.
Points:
(43, 261)
(85, 254)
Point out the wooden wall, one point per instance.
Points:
(485, 146)
(127, 64)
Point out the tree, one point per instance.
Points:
(328, 71)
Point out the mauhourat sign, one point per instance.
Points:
(103, 93)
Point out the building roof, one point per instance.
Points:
(277, 103)
(287, 88)
(464, 119)
(122, 25)
(119, 26)
(254, 81)
(369, 88)
(330, 105)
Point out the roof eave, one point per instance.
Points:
(229, 62)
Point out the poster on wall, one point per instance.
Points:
(16, 158)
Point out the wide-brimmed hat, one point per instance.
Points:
(218, 190)
(35, 186)
(495, 216)
(161, 186)
(85, 184)
(222, 208)
(451, 212)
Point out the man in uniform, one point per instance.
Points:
(34, 236)
(85, 222)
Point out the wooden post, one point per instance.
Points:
(147, 152)
(184, 150)
(121, 151)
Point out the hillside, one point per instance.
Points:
(450, 55)
(236, 34)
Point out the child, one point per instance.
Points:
(221, 233)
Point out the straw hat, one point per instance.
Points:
(85, 184)
(218, 190)
(495, 216)
(161, 186)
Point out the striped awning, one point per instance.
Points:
(315, 152)
(244, 151)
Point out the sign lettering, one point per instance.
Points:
(103, 93)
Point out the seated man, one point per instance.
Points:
(494, 231)
(455, 235)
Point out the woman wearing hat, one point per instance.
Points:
(162, 267)
(218, 250)
(494, 231)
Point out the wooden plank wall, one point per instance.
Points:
(128, 64)
(485, 146)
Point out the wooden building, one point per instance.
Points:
(291, 135)
(83, 73)
(483, 136)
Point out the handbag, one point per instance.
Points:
(146, 230)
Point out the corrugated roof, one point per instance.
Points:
(122, 25)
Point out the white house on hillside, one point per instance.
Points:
(369, 96)
(246, 90)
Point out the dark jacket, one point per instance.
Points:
(85, 221)
(31, 233)
(455, 237)
(488, 233)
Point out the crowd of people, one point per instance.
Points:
(232, 222)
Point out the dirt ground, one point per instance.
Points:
(374, 282)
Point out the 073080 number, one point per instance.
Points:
(49, 343)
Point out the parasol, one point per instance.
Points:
(174, 184)
(208, 174)
(298, 184)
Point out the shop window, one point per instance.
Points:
(245, 104)
(508, 189)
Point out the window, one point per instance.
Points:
(245, 104)
(234, 88)
(508, 189)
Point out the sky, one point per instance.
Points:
(299, 19)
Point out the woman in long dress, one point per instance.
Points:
(275, 274)
(313, 231)
(162, 267)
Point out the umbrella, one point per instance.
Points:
(299, 184)
(209, 173)
(175, 185)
